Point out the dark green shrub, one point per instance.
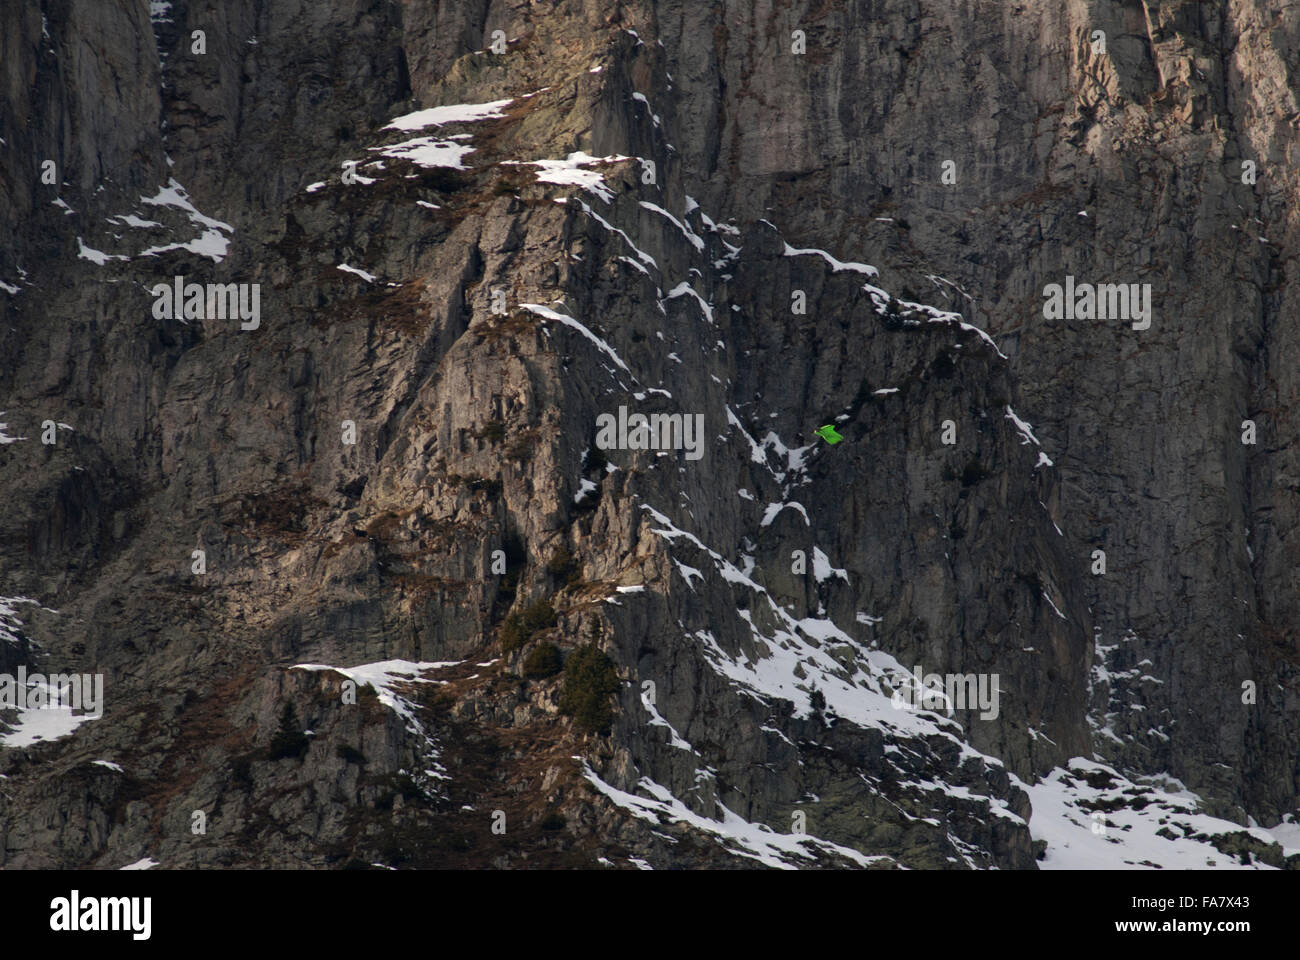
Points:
(542, 661)
(589, 681)
(410, 791)
(289, 741)
(512, 634)
(494, 431)
(539, 615)
(520, 627)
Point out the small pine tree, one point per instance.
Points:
(521, 626)
(513, 635)
(542, 661)
(589, 681)
(289, 740)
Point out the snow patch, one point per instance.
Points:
(368, 277)
(836, 265)
(451, 113)
(755, 841)
(572, 172)
(568, 321)
(690, 235)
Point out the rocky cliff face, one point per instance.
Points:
(365, 580)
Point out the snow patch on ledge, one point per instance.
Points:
(836, 264)
(368, 277)
(690, 234)
(572, 171)
(1159, 835)
(1027, 437)
(755, 841)
(451, 113)
(568, 321)
(384, 676)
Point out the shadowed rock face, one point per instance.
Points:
(400, 458)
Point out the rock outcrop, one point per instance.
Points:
(357, 566)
